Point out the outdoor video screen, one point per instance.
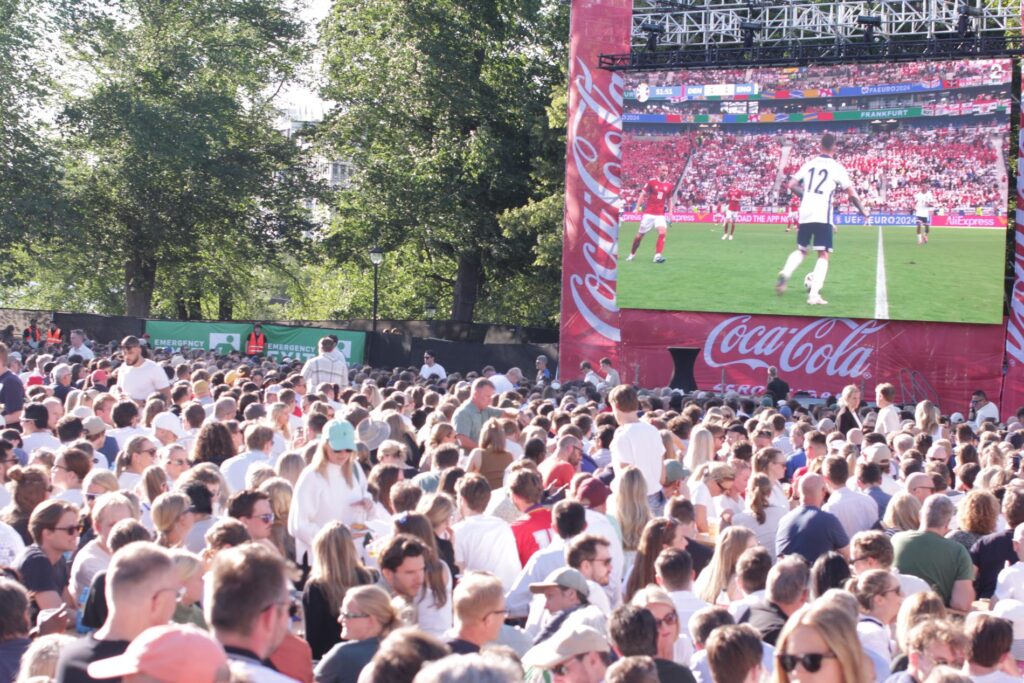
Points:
(731, 198)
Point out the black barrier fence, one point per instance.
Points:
(101, 328)
(395, 350)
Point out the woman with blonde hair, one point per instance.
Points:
(280, 492)
(631, 512)
(289, 466)
(926, 419)
(700, 451)
(491, 458)
(367, 617)
(819, 643)
(991, 478)
(440, 509)
(902, 514)
(879, 597)
(39, 661)
(760, 514)
(915, 609)
(138, 454)
(715, 479)
(401, 431)
(441, 433)
(172, 519)
(189, 568)
(333, 487)
(278, 420)
(716, 584)
(848, 402)
(335, 569)
(976, 515)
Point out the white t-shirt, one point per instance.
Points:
(31, 442)
(923, 203)
(638, 444)
(482, 543)
(501, 383)
(142, 380)
(436, 369)
(987, 412)
(1010, 584)
(122, 434)
(888, 420)
(821, 177)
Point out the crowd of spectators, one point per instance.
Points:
(954, 74)
(183, 517)
(963, 166)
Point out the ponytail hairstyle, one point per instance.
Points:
(759, 493)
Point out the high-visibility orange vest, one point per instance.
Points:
(53, 337)
(256, 344)
(32, 334)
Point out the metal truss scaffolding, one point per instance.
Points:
(669, 33)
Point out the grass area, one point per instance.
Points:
(956, 277)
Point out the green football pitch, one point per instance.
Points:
(956, 277)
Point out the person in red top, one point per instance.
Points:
(733, 197)
(532, 531)
(657, 193)
(793, 220)
(560, 467)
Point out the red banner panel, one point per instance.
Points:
(590, 317)
(818, 355)
(1013, 384)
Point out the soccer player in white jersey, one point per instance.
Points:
(816, 182)
(655, 198)
(924, 202)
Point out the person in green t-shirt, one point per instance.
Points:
(927, 554)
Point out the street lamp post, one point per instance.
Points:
(376, 258)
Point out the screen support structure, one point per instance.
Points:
(717, 32)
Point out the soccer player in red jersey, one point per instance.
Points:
(657, 193)
(734, 197)
(793, 220)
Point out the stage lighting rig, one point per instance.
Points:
(870, 22)
(749, 28)
(654, 31)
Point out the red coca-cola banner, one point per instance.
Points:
(939, 361)
(820, 355)
(1013, 383)
(590, 318)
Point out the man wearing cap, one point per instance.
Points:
(139, 377)
(94, 430)
(12, 391)
(167, 428)
(141, 592)
(593, 494)
(259, 440)
(157, 656)
(576, 655)
(671, 483)
(34, 429)
(566, 600)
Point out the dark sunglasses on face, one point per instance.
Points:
(811, 662)
(560, 669)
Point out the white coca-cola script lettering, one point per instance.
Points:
(837, 347)
(597, 165)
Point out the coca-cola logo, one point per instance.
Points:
(836, 347)
(591, 212)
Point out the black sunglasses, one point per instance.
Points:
(559, 669)
(811, 662)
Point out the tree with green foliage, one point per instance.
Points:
(178, 178)
(442, 107)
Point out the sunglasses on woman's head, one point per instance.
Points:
(811, 662)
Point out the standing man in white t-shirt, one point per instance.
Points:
(982, 409)
(431, 367)
(816, 183)
(888, 414)
(923, 204)
(635, 443)
(139, 377)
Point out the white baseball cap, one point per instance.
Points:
(170, 422)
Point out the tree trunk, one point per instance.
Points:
(139, 282)
(226, 305)
(467, 286)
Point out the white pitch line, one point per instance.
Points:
(881, 295)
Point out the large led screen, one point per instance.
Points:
(737, 184)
